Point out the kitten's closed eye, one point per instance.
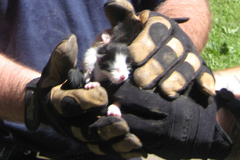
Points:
(115, 62)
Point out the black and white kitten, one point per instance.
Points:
(109, 58)
(109, 61)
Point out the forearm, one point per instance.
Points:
(13, 78)
(198, 26)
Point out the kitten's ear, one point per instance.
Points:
(106, 37)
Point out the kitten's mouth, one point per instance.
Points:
(119, 80)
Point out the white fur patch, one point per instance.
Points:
(89, 61)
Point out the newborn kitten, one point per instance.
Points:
(112, 62)
(109, 58)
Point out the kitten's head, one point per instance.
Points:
(114, 60)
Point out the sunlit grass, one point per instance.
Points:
(223, 48)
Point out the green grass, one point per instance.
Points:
(223, 48)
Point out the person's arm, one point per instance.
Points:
(13, 79)
(198, 26)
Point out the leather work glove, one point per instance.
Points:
(183, 128)
(57, 99)
(164, 57)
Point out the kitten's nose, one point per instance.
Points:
(122, 78)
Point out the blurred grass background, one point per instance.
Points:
(223, 48)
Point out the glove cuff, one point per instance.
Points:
(32, 108)
(35, 100)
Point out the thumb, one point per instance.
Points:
(63, 58)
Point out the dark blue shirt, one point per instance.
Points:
(30, 29)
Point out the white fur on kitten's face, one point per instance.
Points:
(114, 61)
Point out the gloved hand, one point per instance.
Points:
(164, 56)
(58, 100)
(166, 59)
(183, 128)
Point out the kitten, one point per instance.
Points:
(109, 58)
(112, 62)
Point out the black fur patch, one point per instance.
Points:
(127, 31)
(108, 54)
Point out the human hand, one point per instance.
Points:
(164, 57)
(57, 99)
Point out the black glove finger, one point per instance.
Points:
(102, 129)
(148, 42)
(150, 73)
(206, 81)
(178, 78)
(128, 146)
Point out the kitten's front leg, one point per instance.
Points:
(92, 85)
(114, 110)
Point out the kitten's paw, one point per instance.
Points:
(92, 85)
(114, 110)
